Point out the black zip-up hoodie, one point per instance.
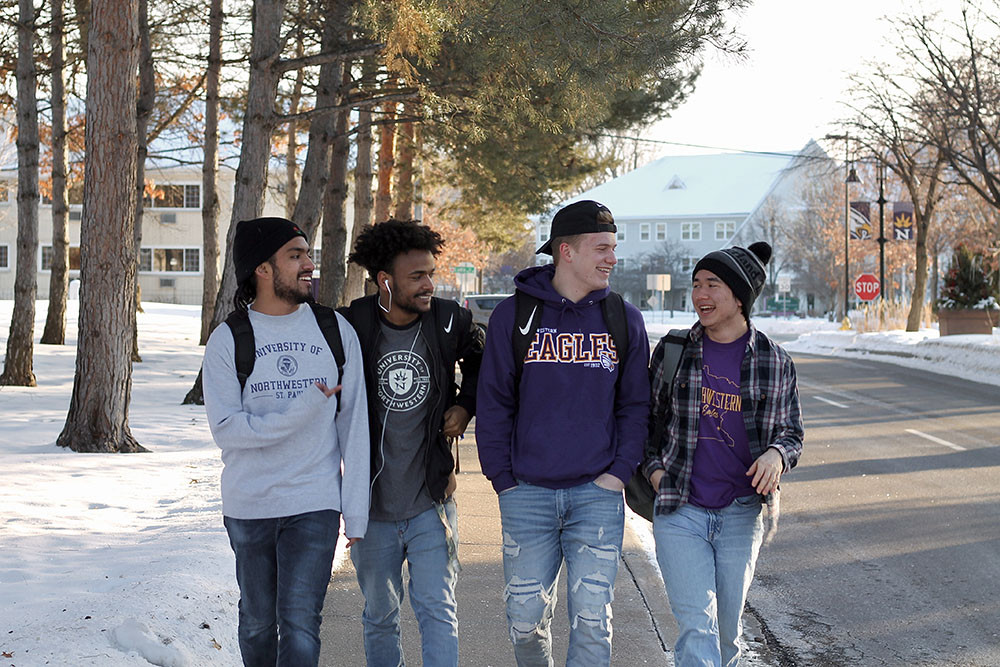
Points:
(451, 336)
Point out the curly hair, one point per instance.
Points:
(377, 246)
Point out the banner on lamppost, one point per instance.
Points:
(861, 220)
(902, 221)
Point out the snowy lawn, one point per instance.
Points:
(123, 560)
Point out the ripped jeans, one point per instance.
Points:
(582, 526)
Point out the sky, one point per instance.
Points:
(122, 560)
(790, 87)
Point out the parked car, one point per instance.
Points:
(482, 305)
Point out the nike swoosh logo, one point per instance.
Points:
(447, 329)
(527, 325)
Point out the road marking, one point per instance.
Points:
(833, 403)
(939, 441)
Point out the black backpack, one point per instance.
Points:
(639, 493)
(525, 309)
(245, 353)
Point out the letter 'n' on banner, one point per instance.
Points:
(902, 221)
(861, 221)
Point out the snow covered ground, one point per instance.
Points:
(118, 560)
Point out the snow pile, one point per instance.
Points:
(973, 357)
(134, 637)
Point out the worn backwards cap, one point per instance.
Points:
(256, 240)
(582, 217)
(742, 269)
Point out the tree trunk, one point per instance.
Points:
(331, 277)
(354, 284)
(143, 111)
(98, 411)
(316, 171)
(404, 167)
(255, 151)
(386, 157)
(210, 174)
(935, 278)
(921, 223)
(20, 345)
(292, 147)
(258, 126)
(55, 319)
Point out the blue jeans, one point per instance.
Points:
(283, 568)
(582, 526)
(378, 559)
(707, 558)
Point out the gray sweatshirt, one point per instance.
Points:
(282, 439)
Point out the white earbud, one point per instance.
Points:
(388, 289)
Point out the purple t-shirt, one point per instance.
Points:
(722, 456)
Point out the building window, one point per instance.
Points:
(620, 234)
(74, 258)
(661, 231)
(170, 260)
(644, 231)
(543, 233)
(690, 231)
(724, 230)
(174, 196)
(687, 264)
(4, 256)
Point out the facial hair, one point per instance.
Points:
(287, 292)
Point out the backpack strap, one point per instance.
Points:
(613, 309)
(673, 349)
(243, 344)
(526, 319)
(326, 318)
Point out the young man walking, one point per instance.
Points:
(283, 442)
(733, 427)
(560, 435)
(411, 341)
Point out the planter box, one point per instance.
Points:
(966, 321)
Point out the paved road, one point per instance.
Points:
(889, 548)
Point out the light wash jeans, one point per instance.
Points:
(707, 558)
(283, 568)
(378, 559)
(582, 526)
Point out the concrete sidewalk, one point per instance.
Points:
(644, 629)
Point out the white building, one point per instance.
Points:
(683, 207)
(171, 261)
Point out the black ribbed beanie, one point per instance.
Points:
(742, 269)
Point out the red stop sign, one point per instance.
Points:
(866, 287)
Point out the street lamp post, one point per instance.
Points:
(852, 177)
(881, 233)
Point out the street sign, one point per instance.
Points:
(783, 304)
(866, 287)
(464, 267)
(658, 282)
(784, 283)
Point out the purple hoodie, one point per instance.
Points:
(569, 427)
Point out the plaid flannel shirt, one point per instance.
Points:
(770, 412)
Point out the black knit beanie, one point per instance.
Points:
(742, 269)
(256, 240)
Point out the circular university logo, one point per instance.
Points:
(403, 381)
(287, 365)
